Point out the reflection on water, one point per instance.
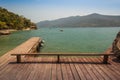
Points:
(67, 40)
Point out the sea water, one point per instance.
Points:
(64, 39)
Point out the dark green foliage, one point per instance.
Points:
(116, 46)
(9, 20)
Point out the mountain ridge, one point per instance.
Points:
(91, 20)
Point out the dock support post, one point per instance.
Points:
(38, 47)
(105, 60)
(18, 58)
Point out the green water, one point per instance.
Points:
(68, 40)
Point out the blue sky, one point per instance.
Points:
(38, 10)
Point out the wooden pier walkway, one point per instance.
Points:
(46, 68)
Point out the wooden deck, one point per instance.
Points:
(46, 68)
(70, 68)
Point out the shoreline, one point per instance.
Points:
(7, 31)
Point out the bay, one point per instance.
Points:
(64, 39)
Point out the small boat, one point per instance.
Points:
(61, 30)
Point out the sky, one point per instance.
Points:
(39, 10)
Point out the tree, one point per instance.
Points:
(10, 20)
(3, 25)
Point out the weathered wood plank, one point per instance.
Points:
(74, 71)
(67, 54)
(18, 56)
(54, 72)
(64, 71)
(69, 72)
(106, 71)
(80, 72)
(111, 70)
(59, 72)
(95, 69)
(101, 71)
(90, 69)
(84, 70)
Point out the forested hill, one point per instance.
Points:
(10, 20)
(92, 20)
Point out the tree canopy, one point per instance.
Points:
(10, 20)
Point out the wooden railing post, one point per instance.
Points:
(18, 58)
(58, 58)
(105, 60)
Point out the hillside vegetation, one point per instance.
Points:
(10, 20)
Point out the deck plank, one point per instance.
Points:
(96, 70)
(89, 69)
(85, 71)
(74, 70)
(64, 70)
(59, 72)
(101, 71)
(80, 72)
(111, 70)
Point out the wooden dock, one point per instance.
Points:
(46, 68)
